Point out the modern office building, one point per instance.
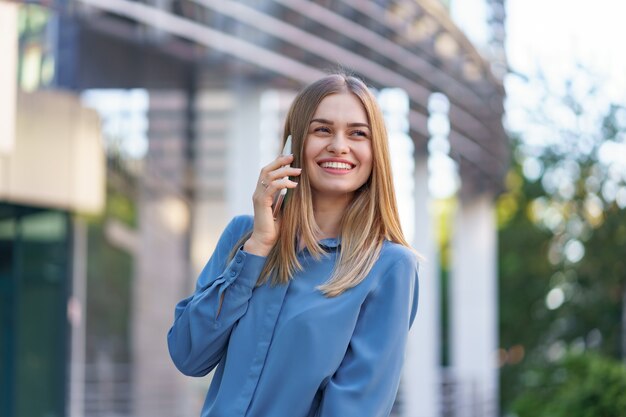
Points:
(190, 96)
(51, 168)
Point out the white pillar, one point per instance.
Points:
(211, 181)
(253, 142)
(473, 301)
(8, 77)
(76, 314)
(421, 377)
(161, 261)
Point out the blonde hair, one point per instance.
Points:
(370, 218)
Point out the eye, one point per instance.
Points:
(360, 133)
(322, 129)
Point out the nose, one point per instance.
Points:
(338, 144)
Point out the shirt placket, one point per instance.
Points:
(275, 297)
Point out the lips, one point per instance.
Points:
(336, 164)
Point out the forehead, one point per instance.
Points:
(341, 106)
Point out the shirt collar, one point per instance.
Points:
(331, 242)
(328, 243)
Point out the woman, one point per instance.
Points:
(308, 314)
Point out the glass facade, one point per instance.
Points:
(37, 52)
(34, 280)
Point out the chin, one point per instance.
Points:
(336, 192)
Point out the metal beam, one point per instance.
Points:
(246, 51)
(437, 77)
(153, 16)
(460, 119)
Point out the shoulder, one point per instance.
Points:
(397, 269)
(394, 255)
(395, 281)
(396, 265)
(239, 225)
(235, 230)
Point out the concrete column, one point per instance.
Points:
(213, 108)
(421, 377)
(473, 301)
(8, 79)
(257, 124)
(76, 314)
(161, 260)
(243, 154)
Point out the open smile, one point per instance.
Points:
(336, 167)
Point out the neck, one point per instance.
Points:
(328, 214)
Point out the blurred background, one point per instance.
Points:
(132, 131)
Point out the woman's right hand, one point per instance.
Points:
(272, 179)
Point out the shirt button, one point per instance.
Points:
(233, 273)
(238, 259)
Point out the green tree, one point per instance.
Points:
(583, 385)
(563, 231)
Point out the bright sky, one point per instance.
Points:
(555, 34)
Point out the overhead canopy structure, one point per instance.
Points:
(207, 66)
(410, 44)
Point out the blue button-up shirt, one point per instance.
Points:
(287, 350)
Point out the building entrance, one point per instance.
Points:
(34, 279)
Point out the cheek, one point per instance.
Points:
(309, 158)
(310, 152)
(366, 157)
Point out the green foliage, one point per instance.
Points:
(562, 244)
(585, 385)
(109, 292)
(524, 273)
(593, 287)
(109, 281)
(121, 207)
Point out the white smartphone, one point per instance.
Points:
(280, 196)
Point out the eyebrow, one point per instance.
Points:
(329, 122)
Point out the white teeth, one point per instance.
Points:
(336, 165)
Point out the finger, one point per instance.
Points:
(279, 184)
(277, 163)
(283, 172)
(264, 184)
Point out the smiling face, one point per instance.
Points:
(338, 147)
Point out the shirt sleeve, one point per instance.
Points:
(199, 335)
(366, 382)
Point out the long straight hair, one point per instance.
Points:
(370, 218)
